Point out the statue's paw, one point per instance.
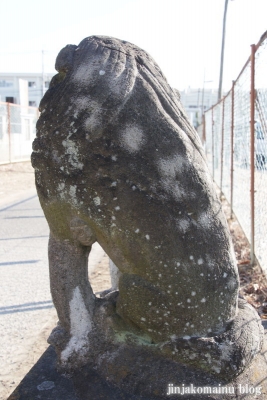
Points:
(106, 292)
(59, 337)
(75, 353)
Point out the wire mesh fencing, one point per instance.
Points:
(235, 140)
(260, 149)
(17, 131)
(241, 162)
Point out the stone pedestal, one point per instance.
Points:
(44, 382)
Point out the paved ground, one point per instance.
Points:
(27, 314)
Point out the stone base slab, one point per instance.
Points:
(45, 382)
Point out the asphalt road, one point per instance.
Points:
(25, 301)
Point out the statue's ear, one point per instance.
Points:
(65, 58)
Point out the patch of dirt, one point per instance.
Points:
(253, 282)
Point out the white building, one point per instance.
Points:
(12, 89)
(196, 102)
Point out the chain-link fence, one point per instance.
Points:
(17, 131)
(235, 138)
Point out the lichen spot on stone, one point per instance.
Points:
(225, 275)
(132, 138)
(203, 300)
(72, 192)
(147, 237)
(183, 225)
(137, 230)
(193, 293)
(101, 72)
(97, 201)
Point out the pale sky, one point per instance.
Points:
(183, 36)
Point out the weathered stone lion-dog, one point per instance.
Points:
(117, 161)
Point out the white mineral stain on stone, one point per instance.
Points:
(61, 187)
(101, 72)
(203, 300)
(117, 208)
(73, 152)
(114, 158)
(186, 337)
(204, 220)
(114, 184)
(183, 225)
(147, 237)
(97, 201)
(225, 275)
(200, 261)
(72, 193)
(137, 230)
(132, 138)
(193, 293)
(191, 257)
(81, 325)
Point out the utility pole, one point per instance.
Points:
(222, 50)
(43, 81)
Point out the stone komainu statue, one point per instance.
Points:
(116, 161)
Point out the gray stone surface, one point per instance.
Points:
(87, 384)
(117, 162)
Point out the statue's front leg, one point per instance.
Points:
(72, 295)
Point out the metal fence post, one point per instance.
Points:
(204, 130)
(252, 151)
(222, 146)
(212, 143)
(9, 131)
(232, 148)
